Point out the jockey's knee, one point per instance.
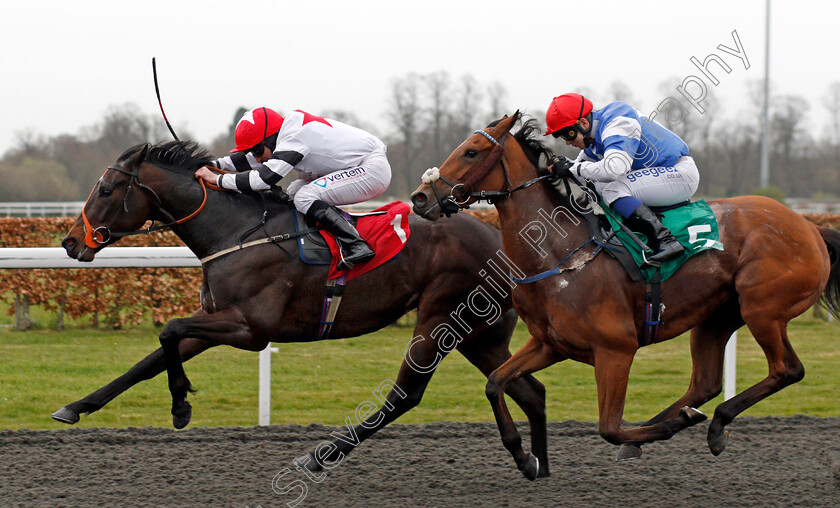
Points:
(295, 186)
(614, 191)
(304, 198)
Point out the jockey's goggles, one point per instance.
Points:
(568, 133)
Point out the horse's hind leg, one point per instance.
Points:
(422, 357)
(708, 343)
(486, 350)
(146, 368)
(771, 294)
(532, 357)
(612, 370)
(784, 369)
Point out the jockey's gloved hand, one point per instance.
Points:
(560, 166)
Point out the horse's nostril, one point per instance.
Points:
(68, 243)
(419, 199)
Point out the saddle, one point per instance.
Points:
(692, 223)
(312, 246)
(385, 229)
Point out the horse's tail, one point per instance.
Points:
(830, 298)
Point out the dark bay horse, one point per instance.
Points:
(774, 267)
(265, 293)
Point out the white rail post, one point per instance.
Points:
(265, 386)
(729, 361)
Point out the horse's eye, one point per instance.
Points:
(105, 192)
(471, 153)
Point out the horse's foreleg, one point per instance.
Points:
(533, 356)
(488, 351)
(227, 327)
(146, 368)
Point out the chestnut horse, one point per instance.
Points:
(266, 293)
(775, 266)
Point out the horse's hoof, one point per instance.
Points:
(628, 451)
(309, 463)
(694, 416)
(66, 415)
(717, 442)
(531, 467)
(181, 418)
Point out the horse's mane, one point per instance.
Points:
(527, 138)
(184, 156)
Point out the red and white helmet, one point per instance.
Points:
(565, 111)
(254, 126)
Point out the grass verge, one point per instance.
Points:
(323, 382)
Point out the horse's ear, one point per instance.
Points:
(138, 157)
(506, 124)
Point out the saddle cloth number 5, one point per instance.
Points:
(695, 231)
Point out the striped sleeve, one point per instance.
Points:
(264, 176)
(239, 161)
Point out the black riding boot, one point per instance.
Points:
(660, 239)
(353, 249)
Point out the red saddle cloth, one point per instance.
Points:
(386, 234)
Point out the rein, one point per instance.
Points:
(101, 235)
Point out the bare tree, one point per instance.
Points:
(731, 170)
(405, 112)
(30, 142)
(497, 95)
(676, 114)
(437, 88)
(832, 103)
(619, 91)
(786, 131)
(467, 110)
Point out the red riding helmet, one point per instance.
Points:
(565, 111)
(254, 126)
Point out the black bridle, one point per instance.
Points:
(102, 235)
(451, 204)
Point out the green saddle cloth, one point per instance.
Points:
(694, 225)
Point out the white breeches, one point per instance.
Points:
(660, 186)
(366, 181)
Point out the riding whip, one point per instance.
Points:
(157, 92)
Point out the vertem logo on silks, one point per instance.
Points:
(339, 175)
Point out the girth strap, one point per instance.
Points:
(653, 309)
(333, 293)
(270, 239)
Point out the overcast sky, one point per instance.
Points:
(64, 63)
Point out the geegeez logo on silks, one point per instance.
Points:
(656, 172)
(339, 175)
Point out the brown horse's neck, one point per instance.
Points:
(539, 229)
